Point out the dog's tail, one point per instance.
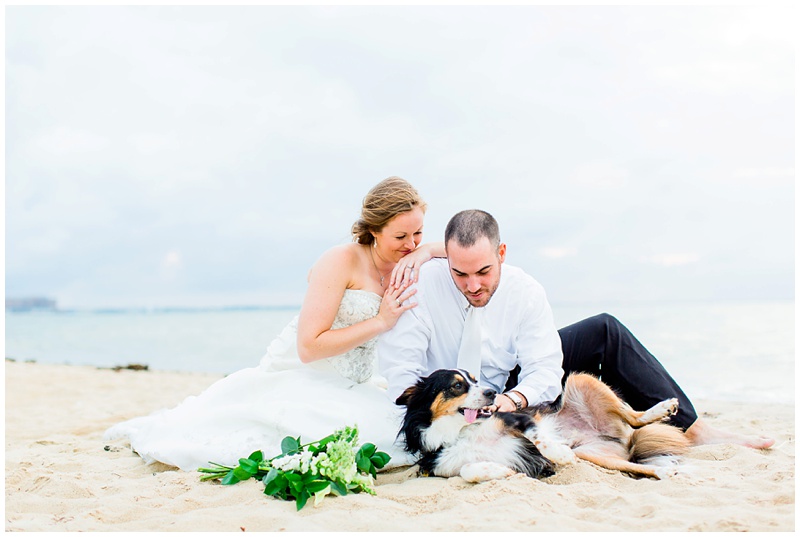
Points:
(656, 440)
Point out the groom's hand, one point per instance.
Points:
(503, 403)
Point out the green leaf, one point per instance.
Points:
(280, 483)
(368, 449)
(302, 499)
(290, 445)
(317, 485)
(241, 474)
(273, 488)
(380, 459)
(248, 465)
(257, 456)
(295, 482)
(230, 478)
(296, 489)
(363, 462)
(325, 441)
(276, 483)
(338, 488)
(273, 474)
(308, 477)
(275, 491)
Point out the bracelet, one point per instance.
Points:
(515, 398)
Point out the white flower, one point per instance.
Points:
(287, 463)
(305, 461)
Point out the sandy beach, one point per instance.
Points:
(61, 476)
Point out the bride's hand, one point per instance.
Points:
(407, 269)
(394, 303)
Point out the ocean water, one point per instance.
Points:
(736, 351)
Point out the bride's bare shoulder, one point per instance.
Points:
(341, 259)
(343, 253)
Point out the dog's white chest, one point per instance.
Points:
(476, 443)
(442, 432)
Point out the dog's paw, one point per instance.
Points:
(477, 472)
(661, 411)
(666, 472)
(558, 453)
(672, 406)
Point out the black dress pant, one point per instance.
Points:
(604, 347)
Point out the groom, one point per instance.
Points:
(518, 332)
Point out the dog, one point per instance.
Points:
(448, 426)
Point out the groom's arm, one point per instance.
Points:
(402, 352)
(539, 351)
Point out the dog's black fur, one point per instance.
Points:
(446, 425)
(419, 401)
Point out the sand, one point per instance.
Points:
(61, 477)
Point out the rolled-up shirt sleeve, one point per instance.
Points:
(539, 351)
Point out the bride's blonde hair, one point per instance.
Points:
(384, 201)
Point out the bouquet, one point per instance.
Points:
(328, 466)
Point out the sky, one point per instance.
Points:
(198, 156)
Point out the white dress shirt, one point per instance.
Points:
(518, 329)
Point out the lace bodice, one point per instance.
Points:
(358, 365)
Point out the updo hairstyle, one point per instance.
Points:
(387, 199)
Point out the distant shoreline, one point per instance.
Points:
(604, 305)
(170, 309)
(713, 349)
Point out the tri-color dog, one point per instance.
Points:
(447, 425)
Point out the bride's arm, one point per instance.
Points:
(327, 281)
(407, 269)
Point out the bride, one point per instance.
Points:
(320, 373)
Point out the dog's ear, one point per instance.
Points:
(406, 396)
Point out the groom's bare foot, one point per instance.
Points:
(701, 433)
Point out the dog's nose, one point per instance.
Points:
(489, 393)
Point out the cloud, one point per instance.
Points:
(151, 153)
(171, 265)
(601, 175)
(61, 141)
(558, 252)
(671, 259)
(764, 176)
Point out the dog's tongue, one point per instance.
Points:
(471, 414)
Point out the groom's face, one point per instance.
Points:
(476, 269)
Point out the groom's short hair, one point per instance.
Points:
(467, 227)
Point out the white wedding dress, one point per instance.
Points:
(257, 407)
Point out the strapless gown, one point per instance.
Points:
(255, 408)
